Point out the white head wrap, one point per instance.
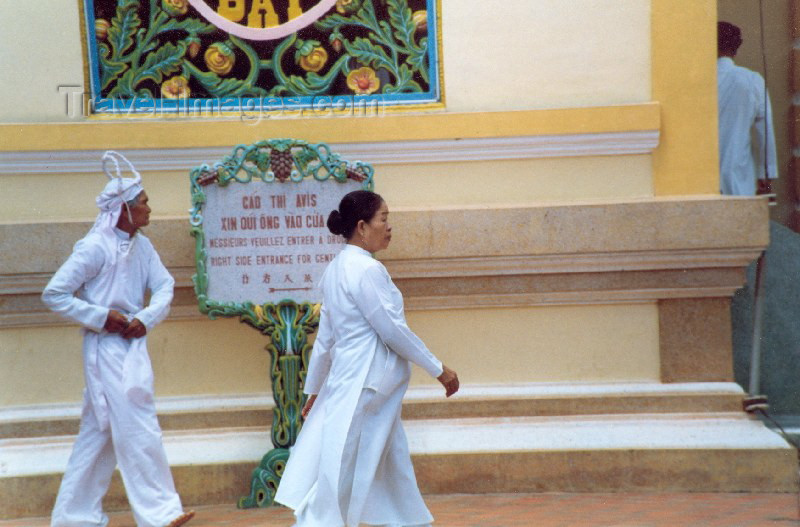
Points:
(116, 193)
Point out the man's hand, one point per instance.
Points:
(449, 380)
(115, 322)
(134, 330)
(308, 405)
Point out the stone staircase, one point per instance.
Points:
(492, 438)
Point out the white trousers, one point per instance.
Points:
(132, 441)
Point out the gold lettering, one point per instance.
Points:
(294, 9)
(233, 10)
(262, 14)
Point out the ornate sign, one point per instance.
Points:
(261, 58)
(270, 242)
(259, 218)
(261, 245)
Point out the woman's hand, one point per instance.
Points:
(449, 380)
(308, 405)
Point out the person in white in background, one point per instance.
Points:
(351, 463)
(744, 109)
(102, 287)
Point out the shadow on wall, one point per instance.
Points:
(780, 341)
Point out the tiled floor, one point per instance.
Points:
(542, 510)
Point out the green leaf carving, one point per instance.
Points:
(109, 70)
(365, 51)
(124, 86)
(123, 28)
(404, 76)
(128, 4)
(223, 87)
(400, 17)
(193, 26)
(160, 63)
(137, 55)
(332, 21)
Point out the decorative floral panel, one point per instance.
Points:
(261, 57)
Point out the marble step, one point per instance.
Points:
(489, 438)
(421, 402)
(702, 452)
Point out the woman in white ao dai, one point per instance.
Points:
(351, 464)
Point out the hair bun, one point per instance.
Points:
(335, 222)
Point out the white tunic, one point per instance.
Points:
(744, 108)
(118, 422)
(360, 370)
(102, 286)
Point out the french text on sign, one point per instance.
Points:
(258, 234)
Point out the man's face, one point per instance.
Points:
(140, 213)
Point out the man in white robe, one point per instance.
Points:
(744, 109)
(102, 287)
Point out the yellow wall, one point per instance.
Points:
(558, 344)
(602, 343)
(576, 67)
(493, 183)
(523, 54)
(543, 65)
(44, 365)
(488, 183)
(580, 54)
(684, 80)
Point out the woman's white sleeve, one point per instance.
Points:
(320, 363)
(376, 301)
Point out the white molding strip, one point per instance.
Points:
(169, 405)
(634, 432)
(397, 152)
(263, 400)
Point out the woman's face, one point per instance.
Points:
(376, 233)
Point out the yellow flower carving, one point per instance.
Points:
(315, 60)
(101, 26)
(343, 7)
(176, 88)
(175, 7)
(420, 19)
(363, 81)
(219, 58)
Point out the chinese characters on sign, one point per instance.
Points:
(269, 242)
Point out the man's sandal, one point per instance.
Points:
(180, 520)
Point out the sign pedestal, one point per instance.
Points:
(288, 326)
